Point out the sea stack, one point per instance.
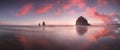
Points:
(81, 21)
(43, 23)
(39, 24)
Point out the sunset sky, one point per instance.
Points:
(58, 12)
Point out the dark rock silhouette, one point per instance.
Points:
(43, 23)
(82, 21)
(39, 24)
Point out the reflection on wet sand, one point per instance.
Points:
(101, 38)
(93, 38)
(8, 41)
(81, 30)
(95, 33)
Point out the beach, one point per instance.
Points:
(59, 38)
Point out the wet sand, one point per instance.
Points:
(60, 38)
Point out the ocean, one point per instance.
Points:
(59, 38)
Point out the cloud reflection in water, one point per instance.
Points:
(60, 38)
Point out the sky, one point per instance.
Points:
(58, 12)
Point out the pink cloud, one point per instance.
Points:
(71, 3)
(102, 2)
(81, 3)
(44, 9)
(92, 12)
(57, 12)
(106, 18)
(25, 9)
(57, 1)
(72, 12)
(115, 1)
(66, 6)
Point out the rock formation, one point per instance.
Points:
(39, 24)
(82, 21)
(43, 23)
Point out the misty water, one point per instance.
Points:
(59, 38)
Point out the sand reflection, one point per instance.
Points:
(81, 30)
(65, 38)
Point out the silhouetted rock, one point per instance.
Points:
(39, 24)
(82, 21)
(43, 23)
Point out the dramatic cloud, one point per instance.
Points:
(71, 3)
(81, 3)
(92, 12)
(102, 2)
(66, 6)
(25, 9)
(72, 12)
(57, 12)
(44, 9)
(115, 18)
(106, 18)
(116, 2)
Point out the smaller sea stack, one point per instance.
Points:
(43, 23)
